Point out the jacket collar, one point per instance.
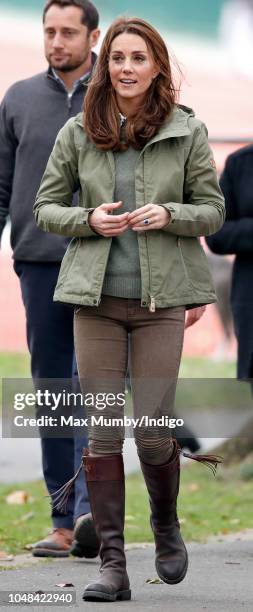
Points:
(176, 125)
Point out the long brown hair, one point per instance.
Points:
(101, 114)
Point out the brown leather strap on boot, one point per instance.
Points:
(106, 487)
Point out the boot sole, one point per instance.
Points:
(45, 552)
(100, 596)
(174, 580)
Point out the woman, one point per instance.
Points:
(148, 189)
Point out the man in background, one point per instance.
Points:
(48, 99)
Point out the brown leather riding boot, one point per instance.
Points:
(163, 485)
(106, 487)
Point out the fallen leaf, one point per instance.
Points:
(182, 521)
(17, 497)
(62, 585)
(234, 521)
(192, 487)
(4, 556)
(154, 581)
(129, 517)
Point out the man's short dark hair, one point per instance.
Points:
(90, 16)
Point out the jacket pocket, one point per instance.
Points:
(195, 264)
(68, 260)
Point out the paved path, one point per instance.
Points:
(29, 459)
(219, 580)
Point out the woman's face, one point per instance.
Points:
(131, 68)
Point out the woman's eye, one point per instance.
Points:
(140, 58)
(117, 58)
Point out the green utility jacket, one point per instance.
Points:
(176, 170)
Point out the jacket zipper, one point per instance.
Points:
(113, 179)
(152, 299)
(69, 99)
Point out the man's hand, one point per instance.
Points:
(194, 315)
(104, 223)
(149, 217)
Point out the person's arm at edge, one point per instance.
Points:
(236, 235)
(8, 146)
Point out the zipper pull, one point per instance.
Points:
(152, 304)
(69, 100)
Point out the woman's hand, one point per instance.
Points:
(149, 217)
(194, 315)
(104, 223)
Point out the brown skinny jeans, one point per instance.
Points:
(104, 336)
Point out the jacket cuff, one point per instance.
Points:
(172, 210)
(88, 231)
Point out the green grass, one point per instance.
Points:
(14, 365)
(207, 506)
(202, 367)
(17, 365)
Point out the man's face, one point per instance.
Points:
(67, 41)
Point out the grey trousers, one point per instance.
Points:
(104, 337)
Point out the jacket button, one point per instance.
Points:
(95, 301)
(144, 303)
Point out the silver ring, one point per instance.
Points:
(146, 221)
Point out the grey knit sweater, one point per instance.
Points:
(123, 274)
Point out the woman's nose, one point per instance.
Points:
(127, 66)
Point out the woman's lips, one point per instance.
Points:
(127, 82)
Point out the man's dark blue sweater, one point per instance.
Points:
(31, 115)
